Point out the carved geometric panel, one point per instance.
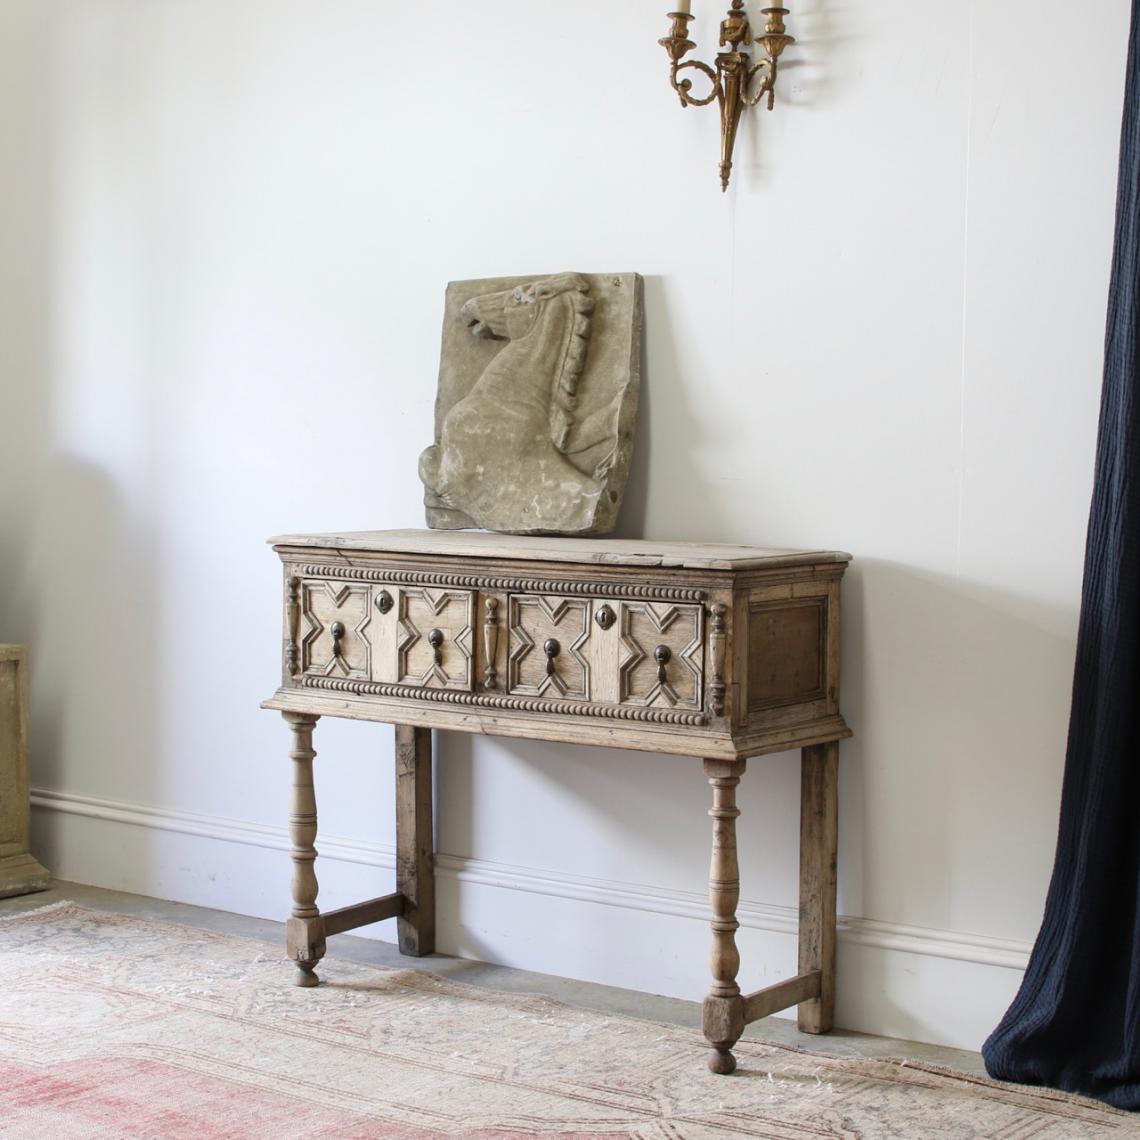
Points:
(664, 654)
(435, 638)
(334, 642)
(545, 636)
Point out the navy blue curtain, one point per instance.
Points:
(1075, 1024)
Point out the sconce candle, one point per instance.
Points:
(733, 85)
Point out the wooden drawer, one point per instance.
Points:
(722, 652)
(334, 628)
(409, 635)
(548, 652)
(606, 650)
(664, 651)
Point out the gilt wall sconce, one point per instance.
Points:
(734, 80)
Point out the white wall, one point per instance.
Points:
(227, 228)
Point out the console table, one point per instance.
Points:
(720, 652)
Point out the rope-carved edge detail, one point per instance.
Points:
(520, 704)
(526, 585)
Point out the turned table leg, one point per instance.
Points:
(415, 875)
(819, 825)
(305, 930)
(724, 1007)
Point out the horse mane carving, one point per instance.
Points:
(502, 453)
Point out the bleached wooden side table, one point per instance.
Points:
(718, 652)
(19, 872)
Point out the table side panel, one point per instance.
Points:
(787, 653)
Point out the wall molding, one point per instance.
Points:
(924, 941)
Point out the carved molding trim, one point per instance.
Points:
(519, 704)
(523, 585)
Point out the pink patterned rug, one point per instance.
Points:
(112, 1026)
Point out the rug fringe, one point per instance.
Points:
(45, 909)
(1039, 1092)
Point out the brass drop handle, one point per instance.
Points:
(551, 648)
(337, 630)
(661, 655)
(435, 640)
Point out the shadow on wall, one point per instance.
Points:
(26, 283)
(635, 500)
(88, 604)
(958, 695)
(590, 818)
(665, 417)
(621, 797)
(807, 78)
(77, 561)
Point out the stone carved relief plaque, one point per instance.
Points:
(538, 386)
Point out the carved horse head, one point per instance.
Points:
(515, 314)
(511, 313)
(526, 398)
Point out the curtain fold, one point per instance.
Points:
(1075, 1023)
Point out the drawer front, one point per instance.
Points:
(664, 655)
(545, 641)
(334, 638)
(409, 635)
(645, 654)
(434, 637)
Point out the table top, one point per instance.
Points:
(544, 548)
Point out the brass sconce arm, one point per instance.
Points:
(733, 82)
(684, 87)
(767, 69)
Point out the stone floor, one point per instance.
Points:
(607, 999)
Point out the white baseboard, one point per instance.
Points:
(904, 981)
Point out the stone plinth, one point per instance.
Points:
(19, 872)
